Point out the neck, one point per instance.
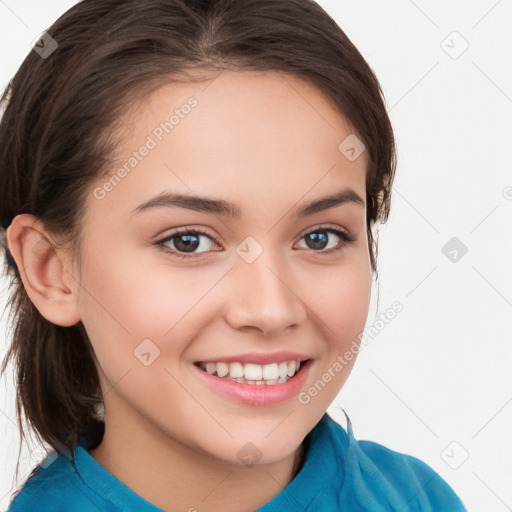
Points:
(173, 476)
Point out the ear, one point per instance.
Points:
(43, 268)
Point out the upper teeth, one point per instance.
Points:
(253, 372)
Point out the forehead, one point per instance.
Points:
(261, 138)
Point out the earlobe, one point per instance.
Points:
(42, 268)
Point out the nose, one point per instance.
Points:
(263, 297)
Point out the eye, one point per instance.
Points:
(318, 239)
(185, 242)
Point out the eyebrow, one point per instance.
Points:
(221, 207)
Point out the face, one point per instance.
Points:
(255, 278)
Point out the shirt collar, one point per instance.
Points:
(321, 462)
(321, 458)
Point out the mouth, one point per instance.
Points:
(252, 373)
(255, 384)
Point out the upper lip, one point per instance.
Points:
(258, 358)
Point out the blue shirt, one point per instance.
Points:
(338, 474)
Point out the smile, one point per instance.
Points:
(251, 373)
(254, 384)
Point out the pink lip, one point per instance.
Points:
(259, 358)
(257, 394)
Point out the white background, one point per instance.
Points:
(436, 380)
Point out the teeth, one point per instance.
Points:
(254, 374)
(253, 371)
(222, 369)
(236, 370)
(283, 370)
(271, 372)
(291, 368)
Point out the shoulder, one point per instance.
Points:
(376, 476)
(52, 486)
(410, 480)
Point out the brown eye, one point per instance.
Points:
(185, 243)
(319, 239)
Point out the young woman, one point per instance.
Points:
(189, 190)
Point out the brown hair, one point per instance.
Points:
(57, 138)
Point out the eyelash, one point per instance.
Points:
(346, 239)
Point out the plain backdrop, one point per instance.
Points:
(435, 382)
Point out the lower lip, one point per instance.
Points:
(258, 394)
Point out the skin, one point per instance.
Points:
(268, 142)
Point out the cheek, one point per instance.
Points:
(126, 302)
(341, 299)
(339, 308)
(346, 312)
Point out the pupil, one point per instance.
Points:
(188, 245)
(314, 237)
